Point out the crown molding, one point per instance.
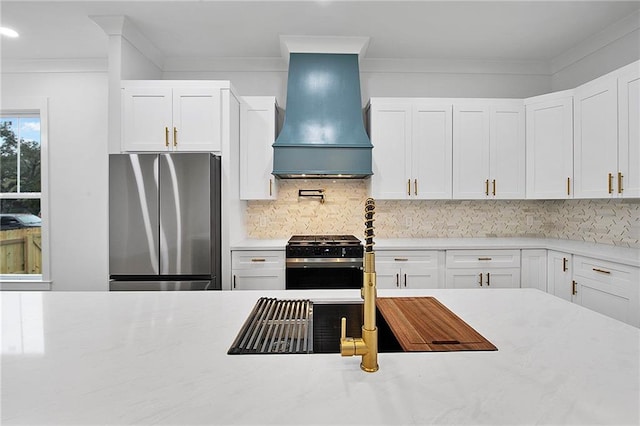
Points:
(323, 44)
(596, 42)
(80, 65)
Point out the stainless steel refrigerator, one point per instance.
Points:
(164, 221)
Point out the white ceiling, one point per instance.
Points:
(507, 30)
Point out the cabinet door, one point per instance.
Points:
(391, 139)
(196, 119)
(533, 272)
(464, 278)
(596, 138)
(431, 151)
(502, 278)
(470, 152)
(146, 119)
(387, 275)
(549, 146)
(417, 276)
(629, 132)
(507, 152)
(257, 134)
(559, 267)
(264, 279)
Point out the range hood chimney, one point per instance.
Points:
(323, 134)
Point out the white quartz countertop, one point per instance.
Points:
(160, 358)
(625, 255)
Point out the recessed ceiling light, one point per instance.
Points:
(8, 32)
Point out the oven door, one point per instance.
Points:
(323, 274)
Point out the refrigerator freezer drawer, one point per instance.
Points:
(159, 285)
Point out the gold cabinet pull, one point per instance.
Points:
(484, 258)
(494, 188)
(610, 183)
(620, 176)
(564, 264)
(480, 279)
(166, 136)
(401, 259)
(397, 280)
(270, 187)
(175, 136)
(408, 186)
(568, 186)
(574, 288)
(415, 186)
(486, 187)
(405, 280)
(488, 279)
(258, 259)
(234, 281)
(601, 271)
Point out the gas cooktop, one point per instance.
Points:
(341, 240)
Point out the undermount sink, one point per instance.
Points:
(305, 326)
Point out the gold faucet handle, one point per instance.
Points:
(343, 328)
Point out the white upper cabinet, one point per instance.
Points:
(488, 150)
(171, 116)
(411, 148)
(258, 123)
(607, 135)
(628, 184)
(596, 138)
(549, 152)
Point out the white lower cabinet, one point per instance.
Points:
(409, 269)
(606, 287)
(257, 270)
(533, 270)
(483, 268)
(559, 274)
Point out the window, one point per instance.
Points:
(23, 235)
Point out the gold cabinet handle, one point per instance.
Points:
(415, 186)
(568, 186)
(480, 279)
(486, 187)
(234, 281)
(270, 187)
(166, 136)
(601, 271)
(175, 136)
(610, 183)
(620, 176)
(408, 186)
(401, 259)
(405, 280)
(564, 264)
(574, 288)
(397, 280)
(258, 259)
(494, 188)
(484, 258)
(488, 279)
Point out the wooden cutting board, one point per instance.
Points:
(423, 324)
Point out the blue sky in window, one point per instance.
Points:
(30, 129)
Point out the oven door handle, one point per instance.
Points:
(324, 263)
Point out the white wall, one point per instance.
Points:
(78, 173)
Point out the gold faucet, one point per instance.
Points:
(367, 345)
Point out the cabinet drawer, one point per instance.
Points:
(257, 259)
(263, 279)
(483, 259)
(426, 259)
(608, 276)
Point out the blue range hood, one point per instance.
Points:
(323, 134)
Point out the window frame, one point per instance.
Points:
(34, 106)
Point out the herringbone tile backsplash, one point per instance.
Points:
(615, 222)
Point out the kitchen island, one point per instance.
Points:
(161, 358)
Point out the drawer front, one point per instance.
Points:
(264, 279)
(483, 259)
(603, 271)
(426, 259)
(257, 259)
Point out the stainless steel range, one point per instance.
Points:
(324, 262)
